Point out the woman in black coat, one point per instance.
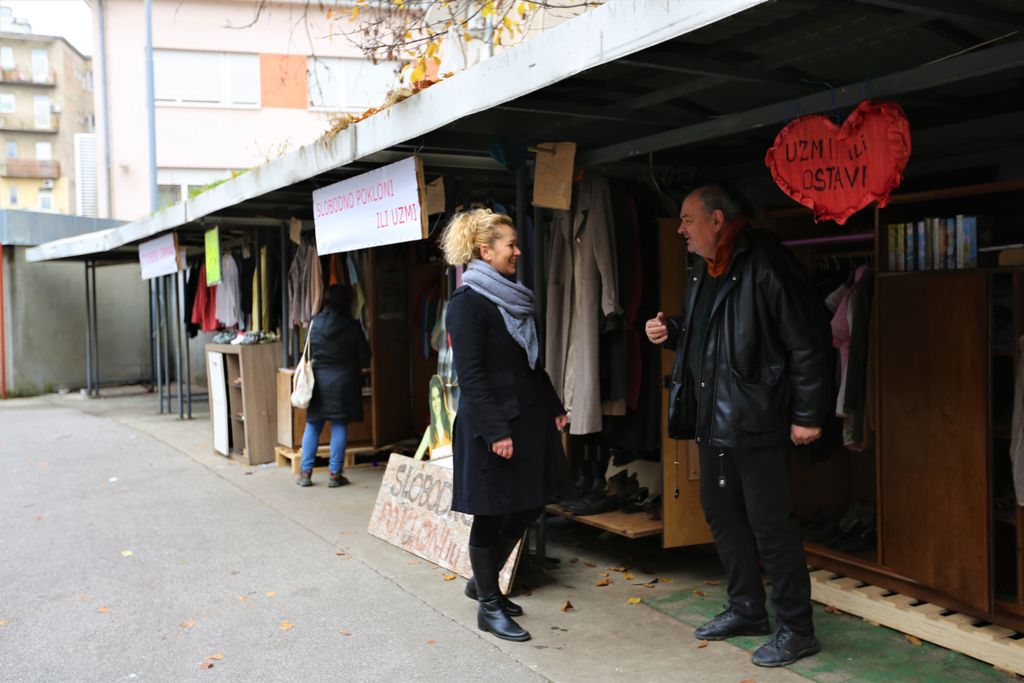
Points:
(508, 458)
(339, 353)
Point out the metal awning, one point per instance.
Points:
(701, 87)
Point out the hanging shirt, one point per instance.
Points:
(261, 295)
(316, 286)
(229, 309)
(204, 310)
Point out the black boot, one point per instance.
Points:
(490, 616)
(504, 551)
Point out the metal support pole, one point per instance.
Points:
(88, 334)
(158, 324)
(152, 333)
(150, 111)
(176, 279)
(258, 299)
(188, 357)
(285, 313)
(168, 350)
(95, 334)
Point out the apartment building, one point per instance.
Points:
(233, 88)
(46, 111)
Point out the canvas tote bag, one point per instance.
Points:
(302, 379)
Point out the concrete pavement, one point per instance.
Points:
(224, 558)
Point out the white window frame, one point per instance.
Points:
(7, 57)
(40, 65)
(37, 113)
(11, 145)
(227, 97)
(46, 193)
(47, 155)
(8, 103)
(342, 69)
(12, 195)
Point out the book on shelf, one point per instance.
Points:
(923, 263)
(893, 247)
(910, 249)
(971, 231)
(961, 241)
(938, 243)
(950, 243)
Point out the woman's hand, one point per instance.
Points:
(503, 447)
(561, 421)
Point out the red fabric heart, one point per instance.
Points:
(837, 171)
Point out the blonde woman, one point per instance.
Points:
(508, 457)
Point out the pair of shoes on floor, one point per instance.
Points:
(223, 337)
(785, 646)
(337, 480)
(305, 479)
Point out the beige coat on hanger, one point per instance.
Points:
(582, 284)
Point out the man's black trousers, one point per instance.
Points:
(751, 515)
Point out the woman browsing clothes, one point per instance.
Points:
(508, 458)
(340, 352)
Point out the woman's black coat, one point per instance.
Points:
(340, 352)
(500, 396)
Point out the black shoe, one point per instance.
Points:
(337, 480)
(490, 615)
(731, 623)
(511, 608)
(784, 648)
(305, 479)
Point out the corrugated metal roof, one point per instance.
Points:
(30, 228)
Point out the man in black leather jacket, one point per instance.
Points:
(750, 380)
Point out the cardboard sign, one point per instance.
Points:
(295, 230)
(384, 206)
(413, 512)
(552, 179)
(212, 242)
(435, 197)
(838, 170)
(159, 256)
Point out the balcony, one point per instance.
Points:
(27, 124)
(27, 77)
(29, 168)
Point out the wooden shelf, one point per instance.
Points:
(1005, 517)
(628, 524)
(862, 558)
(954, 192)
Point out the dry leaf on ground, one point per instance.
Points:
(617, 569)
(188, 624)
(833, 610)
(206, 665)
(4, 622)
(635, 601)
(103, 610)
(573, 560)
(270, 594)
(217, 656)
(431, 642)
(567, 606)
(590, 564)
(648, 585)
(913, 640)
(603, 574)
(38, 518)
(82, 598)
(628, 577)
(700, 594)
(703, 643)
(345, 633)
(603, 582)
(712, 582)
(242, 598)
(748, 680)
(664, 580)
(126, 553)
(286, 626)
(449, 577)
(340, 554)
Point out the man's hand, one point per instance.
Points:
(561, 421)
(656, 329)
(503, 447)
(801, 436)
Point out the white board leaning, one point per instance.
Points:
(383, 206)
(160, 256)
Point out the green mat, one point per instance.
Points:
(851, 649)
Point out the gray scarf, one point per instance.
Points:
(514, 301)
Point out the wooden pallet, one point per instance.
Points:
(998, 646)
(628, 524)
(285, 457)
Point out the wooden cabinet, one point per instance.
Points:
(291, 421)
(933, 420)
(250, 412)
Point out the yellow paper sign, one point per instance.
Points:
(213, 256)
(552, 180)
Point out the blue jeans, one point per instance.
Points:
(311, 438)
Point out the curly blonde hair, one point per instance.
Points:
(468, 231)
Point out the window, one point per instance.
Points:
(12, 149)
(7, 103)
(41, 112)
(215, 78)
(12, 196)
(40, 66)
(46, 200)
(167, 195)
(348, 83)
(6, 58)
(44, 151)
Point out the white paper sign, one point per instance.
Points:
(384, 206)
(159, 256)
